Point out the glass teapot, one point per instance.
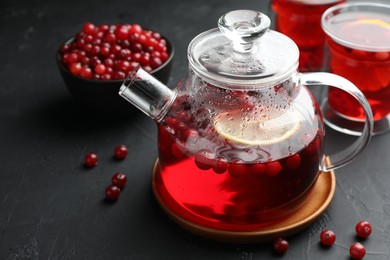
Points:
(240, 141)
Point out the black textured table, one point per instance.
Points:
(51, 207)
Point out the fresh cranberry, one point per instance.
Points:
(116, 49)
(105, 51)
(106, 77)
(103, 28)
(273, 168)
(363, 229)
(86, 72)
(155, 62)
(137, 47)
(85, 60)
(280, 245)
(122, 32)
(65, 48)
(136, 56)
(100, 69)
(327, 237)
(357, 251)
(145, 59)
(119, 75)
(112, 192)
(123, 65)
(95, 50)
(88, 39)
(125, 54)
(120, 151)
(109, 62)
(119, 179)
(73, 57)
(96, 76)
(89, 28)
(87, 47)
(135, 28)
(75, 68)
(164, 56)
(91, 160)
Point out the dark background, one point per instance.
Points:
(51, 207)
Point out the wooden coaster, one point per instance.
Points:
(319, 199)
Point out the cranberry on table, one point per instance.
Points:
(119, 179)
(91, 160)
(357, 251)
(280, 246)
(327, 237)
(363, 229)
(120, 152)
(112, 192)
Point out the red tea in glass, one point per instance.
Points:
(359, 43)
(222, 182)
(301, 21)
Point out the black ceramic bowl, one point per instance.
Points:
(102, 95)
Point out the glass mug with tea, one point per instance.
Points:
(240, 141)
(358, 35)
(301, 21)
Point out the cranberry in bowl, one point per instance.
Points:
(95, 62)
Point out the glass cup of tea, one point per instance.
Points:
(358, 36)
(301, 21)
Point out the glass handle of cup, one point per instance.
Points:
(333, 161)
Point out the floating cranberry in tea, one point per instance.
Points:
(237, 169)
(358, 36)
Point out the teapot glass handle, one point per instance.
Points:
(343, 157)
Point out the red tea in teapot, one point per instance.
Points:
(240, 140)
(224, 177)
(301, 21)
(356, 55)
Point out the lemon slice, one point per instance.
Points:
(373, 22)
(256, 131)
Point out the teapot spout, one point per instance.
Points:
(147, 93)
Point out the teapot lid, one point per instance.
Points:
(243, 52)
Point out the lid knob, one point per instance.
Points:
(243, 27)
